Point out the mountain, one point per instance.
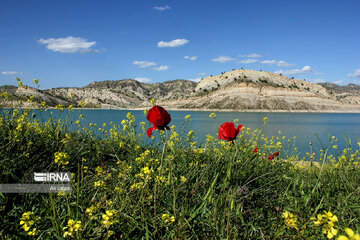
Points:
(239, 89)
(242, 89)
(349, 93)
(126, 93)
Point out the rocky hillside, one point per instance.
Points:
(239, 89)
(242, 89)
(126, 93)
(349, 93)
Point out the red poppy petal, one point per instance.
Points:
(227, 131)
(238, 130)
(150, 130)
(158, 116)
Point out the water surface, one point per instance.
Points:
(307, 127)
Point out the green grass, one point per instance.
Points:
(172, 188)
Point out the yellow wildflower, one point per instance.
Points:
(91, 210)
(27, 220)
(167, 219)
(33, 232)
(327, 220)
(183, 179)
(109, 218)
(72, 227)
(265, 119)
(290, 220)
(351, 234)
(59, 107)
(99, 183)
(61, 158)
(153, 102)
(213, 116)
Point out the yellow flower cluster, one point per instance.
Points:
(327, 220)
(145, 173)
(59, 107)
(167, 218)
(138, 186)
(143, 156)
(109, 218)
(160, 179)
(91, 211)
(66, 139)
(72, 227)
(351, 235)
(153, 102)
(183, 179)
(290, 220)
(213, 116)
(27, 220)
(99, 170)
(61, 158)
(265, 119)
(99, 183)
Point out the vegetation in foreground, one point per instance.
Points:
(126, 185)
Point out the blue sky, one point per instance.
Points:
(74, 42)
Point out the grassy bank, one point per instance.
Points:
(169, 186)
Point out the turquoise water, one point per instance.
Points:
(306, 127)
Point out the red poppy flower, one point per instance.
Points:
(158, 116)
(276, 153)
(255, 150)
(271, 157)
(228, 132)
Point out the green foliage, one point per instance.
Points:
(128, 186)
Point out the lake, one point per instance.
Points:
(307, 127)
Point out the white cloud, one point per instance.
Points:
(282, 63)
(69, 45)
(246, 61)
(253, 55)
(223, 59)
(318, 80)
(161, 68)
(162, 8)
(143, 80)
(193, 58)
(10, 73)
(355, 74)
(195, 79)
(270, 62)
(144, 64)
(173, 43)
(306, 69)
(202, 74)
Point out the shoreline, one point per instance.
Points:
(354, 111)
